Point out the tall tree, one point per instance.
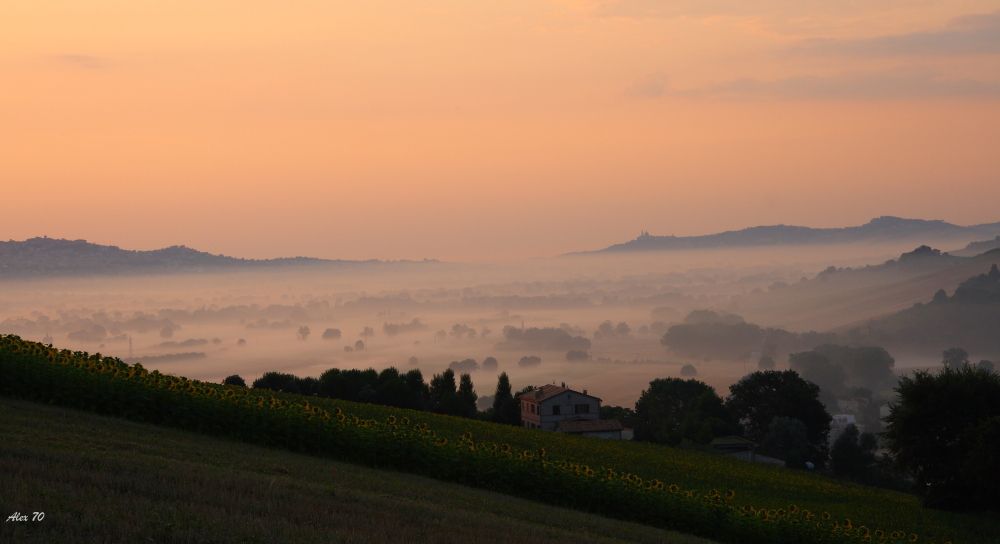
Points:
(938, 428)
(444, 393)
(786, 439)
(764, 395)
(672, 409)
(506, 409)
(853, 454)
(467, 396)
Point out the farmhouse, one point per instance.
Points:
(557, 408)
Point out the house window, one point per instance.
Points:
(582, 408)
(555, 410)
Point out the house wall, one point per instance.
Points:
(545, 416)
(567, 402)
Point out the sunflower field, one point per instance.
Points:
(636, 482)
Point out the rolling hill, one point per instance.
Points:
(879, 230)
(47, 257)
(101, 479)
(843, 299)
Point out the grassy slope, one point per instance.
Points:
(102, 479)
(755, 485)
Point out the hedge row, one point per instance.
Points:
(107, 385)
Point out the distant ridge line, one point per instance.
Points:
(880, 229)
(51, 257)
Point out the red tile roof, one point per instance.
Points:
(548, 391)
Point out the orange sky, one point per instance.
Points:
(492, 129)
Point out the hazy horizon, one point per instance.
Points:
(500, 130)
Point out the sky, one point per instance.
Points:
(489, 130)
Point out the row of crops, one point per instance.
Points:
(614, 479)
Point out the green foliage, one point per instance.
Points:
(672, 410)
(467, 396)
(785, 437)
(235, 379)
(389, 387)
(287, 383)
(853, 454)
(982, 465)
(506, 409)
(625, 415)
(375, 435)
(941, 429)
(762, 396)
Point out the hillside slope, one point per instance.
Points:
(101, 479)
(814, 306)
(56, 257)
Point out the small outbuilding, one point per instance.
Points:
(598, 428)
(735, 446)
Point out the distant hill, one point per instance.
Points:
(975, 248)
(44, 257)
(969, 318)
(841, 298)
(881, 229)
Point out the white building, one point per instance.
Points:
(556, 408)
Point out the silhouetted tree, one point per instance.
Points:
(622, 330)
(444, 394)
(490, 363)
(672, 409)
(303, 332)
(331, 334)
(235, 379)
(817, 368)
(853, 454)
(626, 416)
(577, 355)
(287, 383)
(955, 357)
(466, 365)
(786, 440)
(760, 397)
(506, 409)
(467, 396)
(529, 360)
(941, 429)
